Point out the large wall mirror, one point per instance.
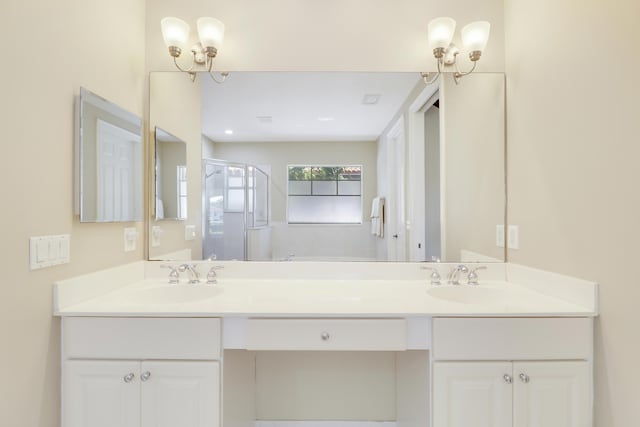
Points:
(108, 177)
(328, 166)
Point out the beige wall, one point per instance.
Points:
(175, 107)
(573, 168)
(54, 48)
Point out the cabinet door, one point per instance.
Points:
(185, 394)
(477, 394)
(552, 394)
(100, 393)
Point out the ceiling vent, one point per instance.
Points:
(264, 119)
(371, 98)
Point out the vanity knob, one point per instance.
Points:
(145, 376)
(129, 377)
(325, 336)
(507, 379)
(524, 378)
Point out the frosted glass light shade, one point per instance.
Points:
(441, 32)
(211, 32)
(175, 32)
(475, 36)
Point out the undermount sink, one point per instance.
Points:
(466, 294)
(176, 294)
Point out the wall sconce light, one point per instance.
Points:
(474, 38)
(175, 33)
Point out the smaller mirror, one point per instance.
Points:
(108, 175)
(171, 177)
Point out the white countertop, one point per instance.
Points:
(141, 289)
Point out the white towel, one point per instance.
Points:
(377, 215)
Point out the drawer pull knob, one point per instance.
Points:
(129, 377)
(325, 336)
(145, 376)
(507, 379)
(524, 378)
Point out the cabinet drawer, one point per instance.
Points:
(512, 338)
(141, 338)
(327, 334)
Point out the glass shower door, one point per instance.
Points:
(224, 205)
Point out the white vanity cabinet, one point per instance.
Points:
(147, 393)
(512, 372)
(141, 372)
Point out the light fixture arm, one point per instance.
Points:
(459, 75)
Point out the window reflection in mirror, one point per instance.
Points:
(108, 161)
(170, 177)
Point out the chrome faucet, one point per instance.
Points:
(473, 276)
(454, 275)
(435, 276)
(212, 276)
(174, 276)
(194, 277)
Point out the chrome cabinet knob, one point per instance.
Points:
(507, 378)
(325, 336)
(524, 378)
(145, 376)
(129, 377)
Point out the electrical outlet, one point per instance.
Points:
(130, 239)
(189, 232)
(156, 232)
(513, 237)
(500, 235)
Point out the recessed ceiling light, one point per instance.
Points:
(229, 131)
(371, 98)
(325, 119)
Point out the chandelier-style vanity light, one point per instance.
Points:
(474, 38)
(175, 33)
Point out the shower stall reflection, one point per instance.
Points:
(235, 211)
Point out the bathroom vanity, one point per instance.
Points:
(264, 345)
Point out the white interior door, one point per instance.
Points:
(117, 159)
(185, 394)
(472, 394)
(396, 248)
(552, 394)
(98, 393)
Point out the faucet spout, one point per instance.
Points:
(194, 276)
(454, 275)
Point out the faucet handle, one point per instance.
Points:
(473, 276)
(174, 276)
(435, 276)
(212, 276)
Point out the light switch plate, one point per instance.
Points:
(513, 237)
(189, 232)
(500, 235)
(47, 251)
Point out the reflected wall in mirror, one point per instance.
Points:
(430, 161)
(170, 177)
(108, 160)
